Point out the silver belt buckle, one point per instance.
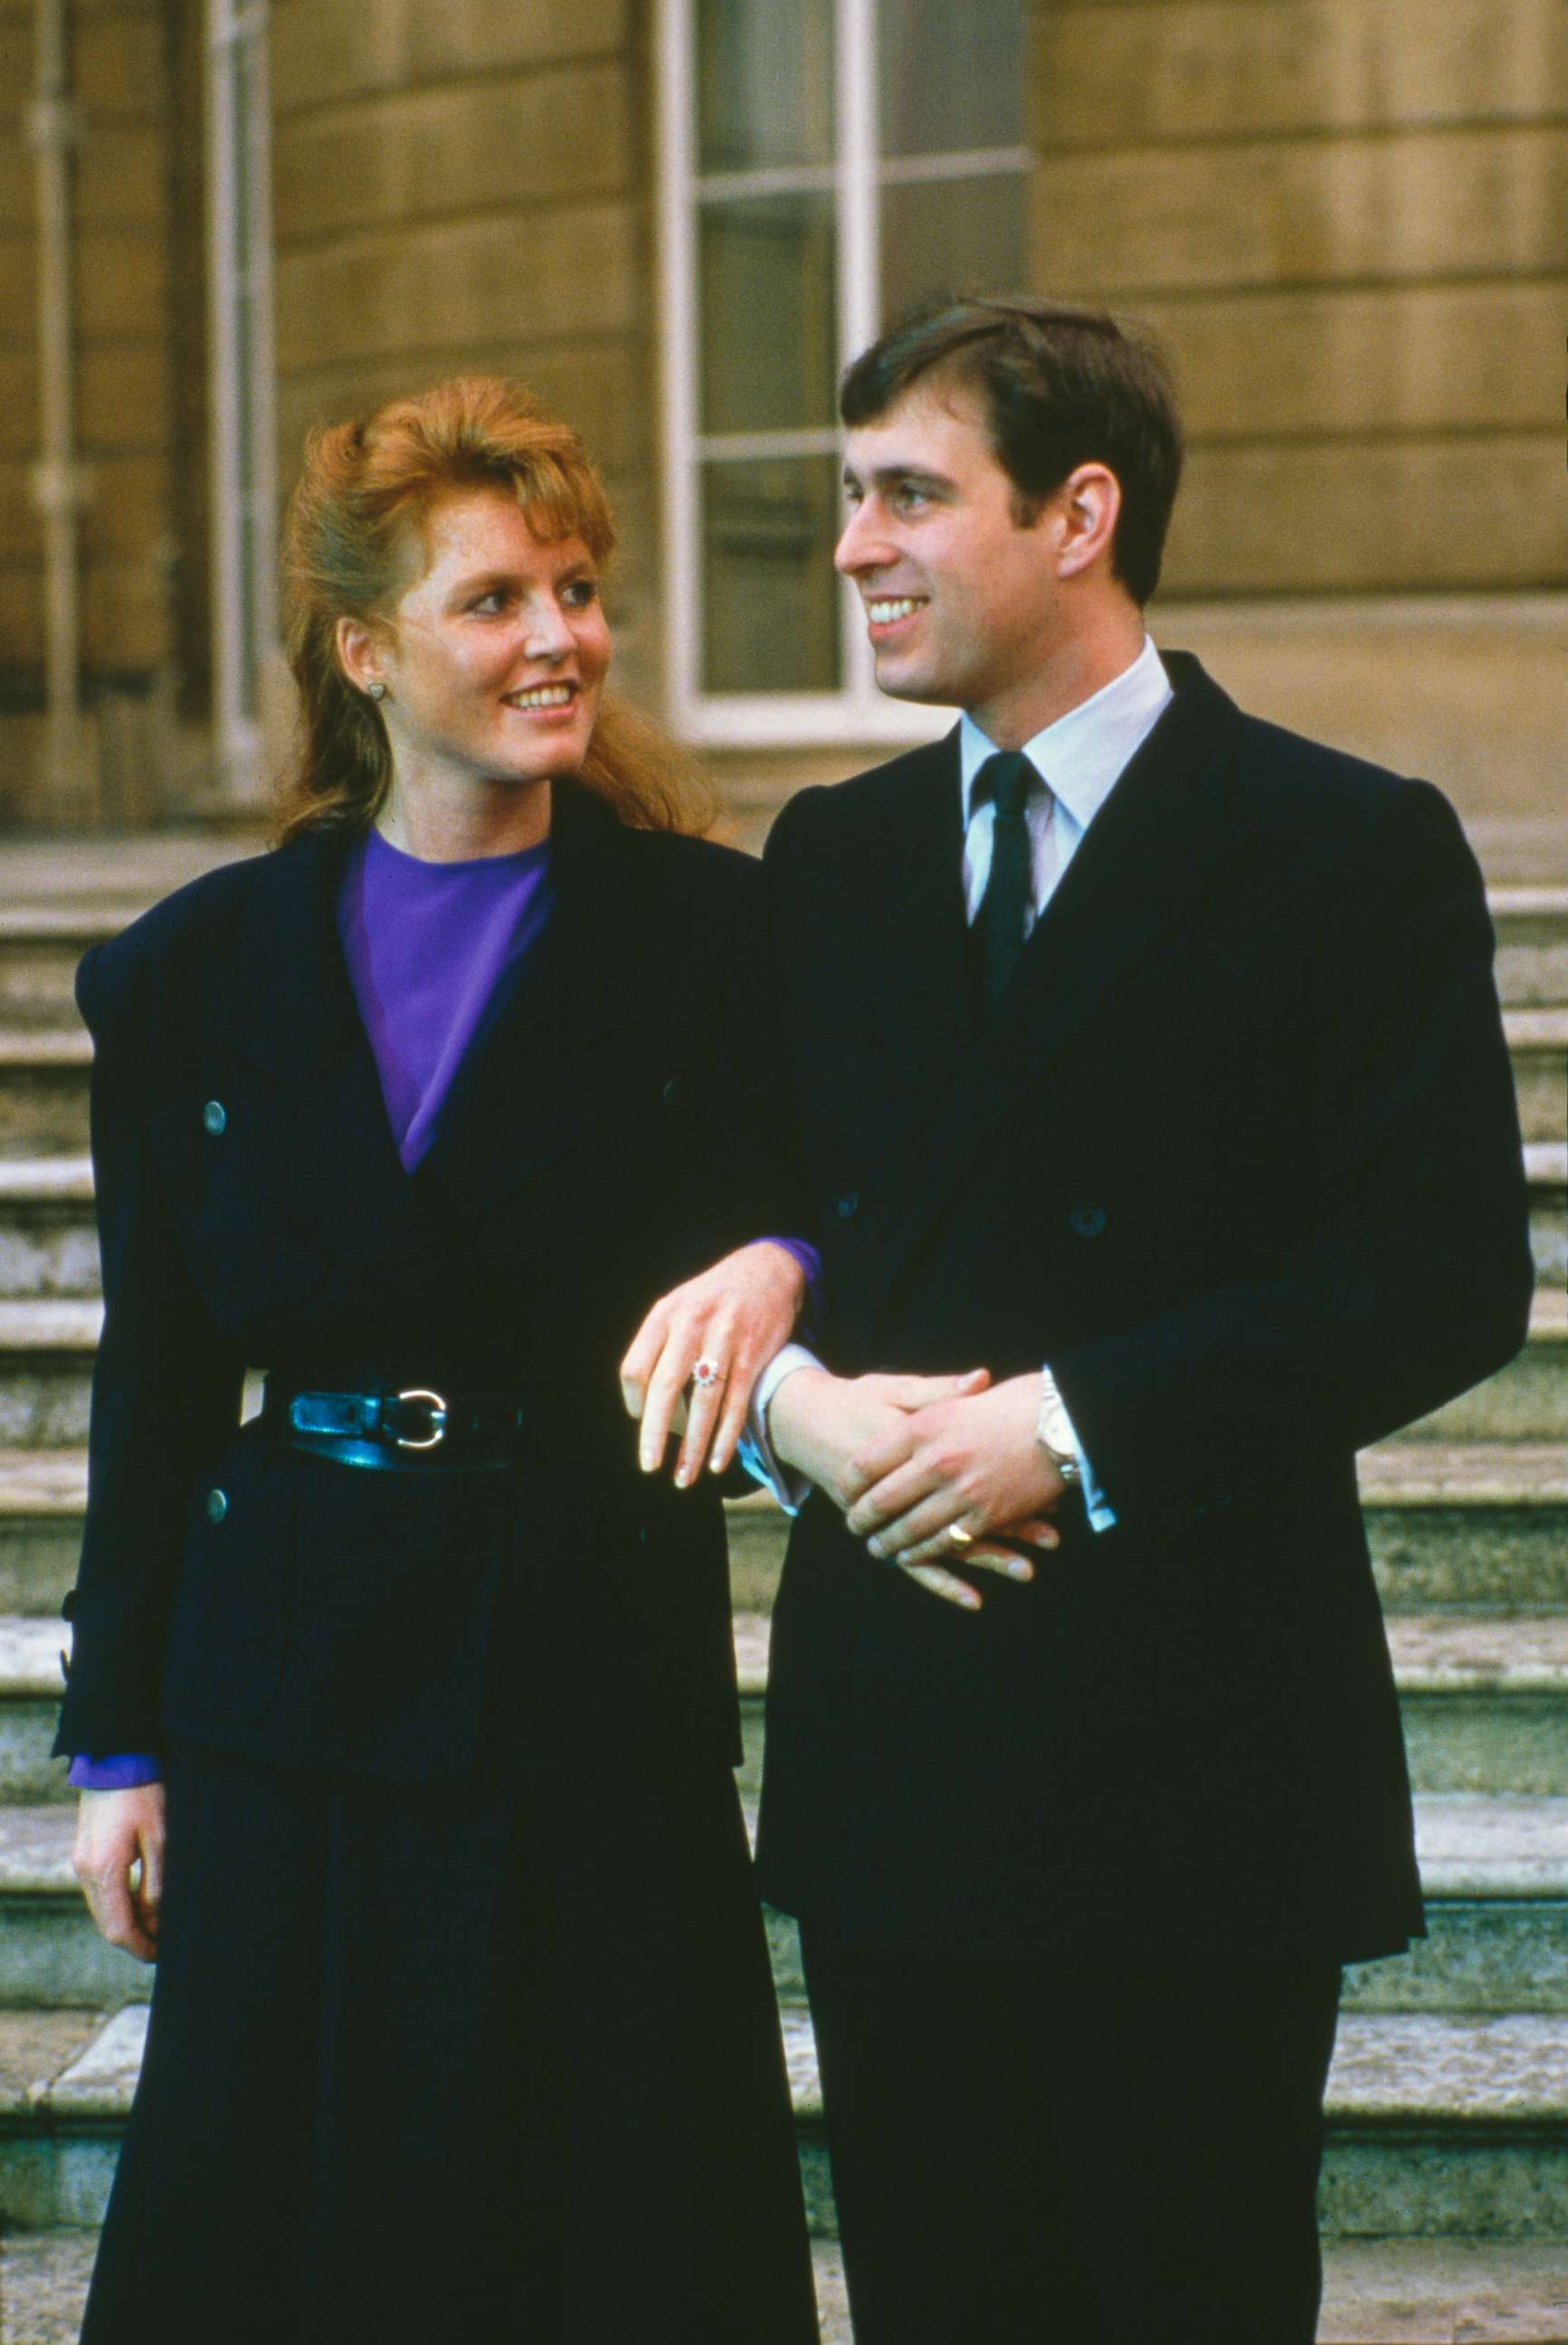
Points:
(437, 1407)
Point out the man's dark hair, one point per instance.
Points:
(1059, 386)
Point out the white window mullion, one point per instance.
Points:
(860, 265)
(243, 446)
(684, 583)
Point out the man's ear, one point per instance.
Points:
(1088, 503)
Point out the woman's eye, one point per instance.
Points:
(581, 594)
(488, 605)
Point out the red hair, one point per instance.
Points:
(354, 542)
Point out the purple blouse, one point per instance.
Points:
(427, 945)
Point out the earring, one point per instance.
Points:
(377, 691)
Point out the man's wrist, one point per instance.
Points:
(1053, 1431)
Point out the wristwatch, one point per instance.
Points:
(1054, 1430)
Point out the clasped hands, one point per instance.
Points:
(931, 1471)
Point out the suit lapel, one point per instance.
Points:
(895, 961)
(1172, 820)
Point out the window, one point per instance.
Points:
(240, 268)
(827, 163)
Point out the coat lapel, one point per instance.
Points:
(536, 1074)
(1172, 820)
(290, 1009)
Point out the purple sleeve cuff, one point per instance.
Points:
(811, 1261)
(118, 1774)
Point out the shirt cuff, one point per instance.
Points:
(120, 1774)
(755, 1446)
(1101, 1516)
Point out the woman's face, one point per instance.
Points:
(494, 661)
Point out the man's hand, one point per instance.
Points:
(852, 1434)
(972, 1465)
(736, 1314)
(117, 1857)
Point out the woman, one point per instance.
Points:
(463, 2024)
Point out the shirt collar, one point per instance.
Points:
(1083, 755)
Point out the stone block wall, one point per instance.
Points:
(1346, 218)
(469, 187)
(137, 274)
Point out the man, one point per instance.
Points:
(1128, 1039)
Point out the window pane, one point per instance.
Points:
(770, 314)
(951, 78)
(953, 236)
(764, 83)
(771, 592)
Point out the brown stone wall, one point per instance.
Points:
(469, 187)
(142, 573)
(1347, 219)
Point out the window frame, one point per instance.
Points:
(857, 711)
(242, 364)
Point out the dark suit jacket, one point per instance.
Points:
(1239, 1157)
(563, 1615)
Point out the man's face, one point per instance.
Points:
(963, 606)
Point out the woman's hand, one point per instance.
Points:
(118, 1860)
(737, 1316)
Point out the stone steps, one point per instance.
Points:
(43, 1077)
(48, 1246)
(1467, 1525)
(41, 940)
(48, 1237)
(1531, 925)
(47, 1351)
(1438, 2127)
(44, 1071)
(1375, 2292)
(1483, 1699)
(1525, 1401)
(1495, 1870)
(1467, 1528)
(1538, 1046)
(1462, 1526)
(47, 1347)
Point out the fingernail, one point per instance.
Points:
(1021, 1568)
(875, 1547)
(682, 1476)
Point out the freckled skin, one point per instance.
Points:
(496, 612)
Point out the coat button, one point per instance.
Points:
(849, 1205)
(216, 1506)
(1088, 1220)
(674, 1092)
(214, 1118)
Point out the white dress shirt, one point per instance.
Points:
(1079, 759)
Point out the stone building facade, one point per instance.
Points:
(1345, 218)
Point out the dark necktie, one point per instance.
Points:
(1002, 921)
